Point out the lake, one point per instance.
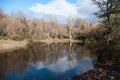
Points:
(46, 62)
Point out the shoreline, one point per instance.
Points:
(98, 74)
(49, 41)
(11, 45)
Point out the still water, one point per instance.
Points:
(46, 62)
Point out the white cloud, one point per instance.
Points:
(56, 7)
(82, 8)
(86, 9)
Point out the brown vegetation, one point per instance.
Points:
(10, 45)
(19, 27)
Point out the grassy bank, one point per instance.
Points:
(49, 41)
(10, 45)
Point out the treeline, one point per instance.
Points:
(19, 27)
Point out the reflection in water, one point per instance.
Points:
(45, 62)
(107, 57)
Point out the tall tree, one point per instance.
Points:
(109, 13)
(70, 23)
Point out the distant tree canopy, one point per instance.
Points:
(18, 27)
(109, 13)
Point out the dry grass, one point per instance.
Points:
(10, 45)
(49, 41)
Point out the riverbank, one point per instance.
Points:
(98, 74)
(109, 71)
(10, 45)
(49, 41)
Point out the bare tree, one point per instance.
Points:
(70, 23)
(109, 11)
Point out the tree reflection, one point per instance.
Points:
(48, 54)
(106, 57)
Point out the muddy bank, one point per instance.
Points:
(99, 74)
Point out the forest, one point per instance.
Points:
(17, 26)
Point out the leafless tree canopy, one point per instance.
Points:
(18, 26)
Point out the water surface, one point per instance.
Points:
(46, 62)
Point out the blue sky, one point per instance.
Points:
(63, 8)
